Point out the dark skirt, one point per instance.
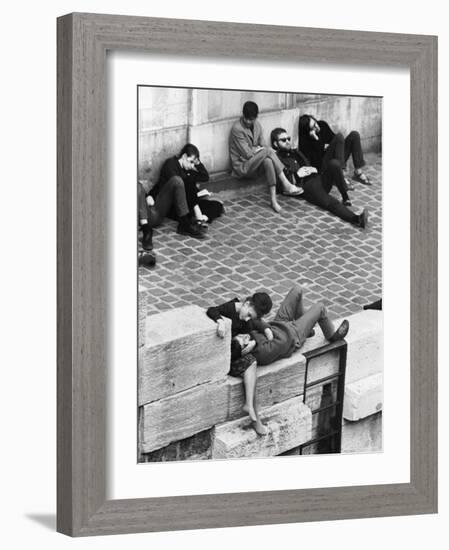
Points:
(239, 366)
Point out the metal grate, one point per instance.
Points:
(331, 424)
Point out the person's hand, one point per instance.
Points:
(249, 347)
(257, 148)
(220, 328)
(314, 135)
(306, 171)
(203, 218)
(269, 334)
(150, 200)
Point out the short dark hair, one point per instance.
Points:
(275, 134)
(261, 302)
(250, 109)
(190, 150)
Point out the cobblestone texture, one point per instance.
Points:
(251, 248)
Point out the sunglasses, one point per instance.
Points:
(285, 139)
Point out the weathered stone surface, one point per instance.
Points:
(278, 382)
(363, 397)
(365, 345)
(182, 415)
(182, 350)
(289, 425)
(196, 447)
(364, 436)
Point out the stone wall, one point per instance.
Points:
(189, 408)
(170, 117)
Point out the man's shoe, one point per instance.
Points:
(363, 218)
(190, 229)
(341, 332)
(147, 238)
(147, 260)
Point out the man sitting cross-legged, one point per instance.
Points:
(291, 327)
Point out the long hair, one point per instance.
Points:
(304, 126)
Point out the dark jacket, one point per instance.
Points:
(238, 326)
(314, 150)
(282, 345)
(171, 167)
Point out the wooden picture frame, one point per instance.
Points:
(83, 40)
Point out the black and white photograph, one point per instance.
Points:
(259, 246)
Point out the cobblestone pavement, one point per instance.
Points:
(251, 248)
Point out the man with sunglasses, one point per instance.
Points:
(316, 191)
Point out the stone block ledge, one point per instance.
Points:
(363, 397)
(289, 425)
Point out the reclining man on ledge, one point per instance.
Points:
(291, 327)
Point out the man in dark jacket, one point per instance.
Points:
(316, 186)
(291, 327)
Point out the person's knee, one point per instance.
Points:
(297, 291)
(334, 164)
(354, 135)
(339, 137)
(321, 309)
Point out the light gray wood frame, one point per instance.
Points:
(83, 40)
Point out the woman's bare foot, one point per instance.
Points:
(260, 428)
(275, 206)
(251, 412)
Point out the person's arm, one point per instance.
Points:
(216, 313)
(200, 173)
(266, 349)
(261, 141)
(262, 327)
(241, 142)
(326, 133)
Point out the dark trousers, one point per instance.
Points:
(302, 321)
(171, 195)
(333, 175)
(341, 148)
(315, 193)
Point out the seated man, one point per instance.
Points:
(251, 157)
(156, 202)
(316, 186)
(291, 327)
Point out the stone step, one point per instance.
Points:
(363, 397)
(289, 425)
(181, 350)
(182, 415)
(365, 345)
